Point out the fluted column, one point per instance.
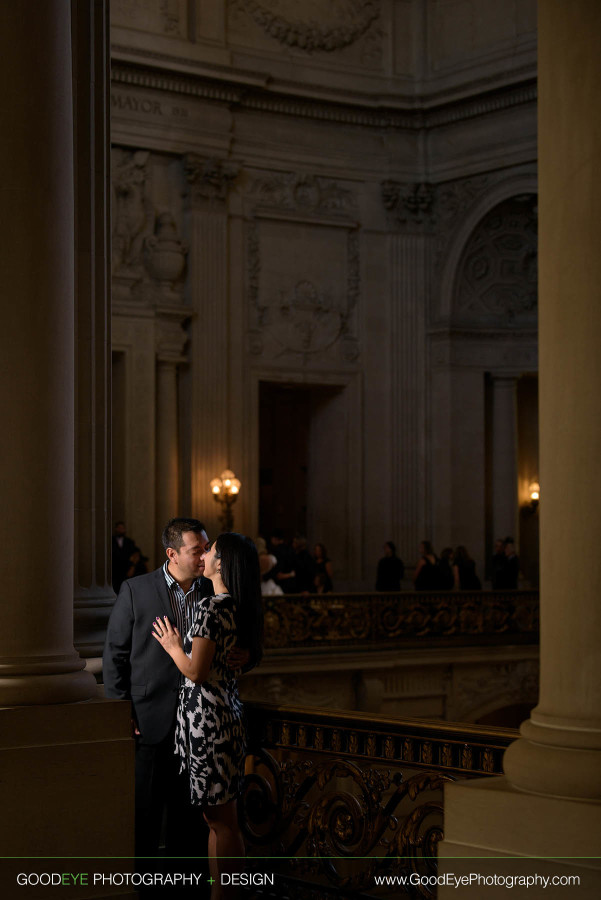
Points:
(209, 182)
(504, 455)
(560, 752)
(167, 444)
(409, 290)
(94, 595)
(38, 663)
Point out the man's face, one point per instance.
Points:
(188, 560)
(120, 529)
(499, 547)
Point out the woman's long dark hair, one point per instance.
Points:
(241, 575)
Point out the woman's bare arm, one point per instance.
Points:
(197, 666)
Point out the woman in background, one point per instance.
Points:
(464, 571)
(323, 568)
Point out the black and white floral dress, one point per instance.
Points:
(210, 733)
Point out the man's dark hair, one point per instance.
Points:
(176, 528)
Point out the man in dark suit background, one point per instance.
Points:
(122, 548)
(136, 668)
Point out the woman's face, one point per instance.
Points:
(211, 561)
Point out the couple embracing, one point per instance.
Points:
(175, 640)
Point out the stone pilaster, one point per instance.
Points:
(38, 663)
(209, 182)
(408, 313)
(93, 592)
(504, 456)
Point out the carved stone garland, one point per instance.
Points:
(313, 25)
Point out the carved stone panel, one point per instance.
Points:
(303, 286)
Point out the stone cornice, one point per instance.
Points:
(405, 113)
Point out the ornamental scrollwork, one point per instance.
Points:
(312, 25)
(321, 816)
(209, 179)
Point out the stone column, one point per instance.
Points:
(93, 592)
(209, 182)
(504, 456)
(560, 753)
(38, 663)
(409, 290)
(171, 339)
(549, 804)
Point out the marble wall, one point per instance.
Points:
(337, 195)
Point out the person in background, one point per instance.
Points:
(390, 570)
(137, 564)
(447, 578)
(122, 548)
(464, 571)
(283, 572)
(267, 561)
(427, 573)
(323, 568)
(513, 565)
(304, 566)
(499, 566)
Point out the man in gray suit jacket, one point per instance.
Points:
(136, 668)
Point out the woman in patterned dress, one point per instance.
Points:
(210, 733)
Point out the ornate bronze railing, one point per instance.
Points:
(336, 800)
(445, 618)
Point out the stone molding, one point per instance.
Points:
(342, 22)
(403, 112)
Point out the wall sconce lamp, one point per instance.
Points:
(225, 490)
(534, 496)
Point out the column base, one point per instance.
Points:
(503, 827)
(33, 690)
(555, 762)
(67, 784)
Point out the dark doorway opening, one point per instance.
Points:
(293, 420)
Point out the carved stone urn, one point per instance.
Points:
(165, 254)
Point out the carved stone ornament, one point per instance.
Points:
(165, 256)
(409, 203)
(306, 318)
(312, 25)
(133, 215)
(303, 195)
(497, 275)
(209, 179)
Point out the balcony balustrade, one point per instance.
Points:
(445, 618)
(333, 801)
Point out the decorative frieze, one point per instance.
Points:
(302, 195)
